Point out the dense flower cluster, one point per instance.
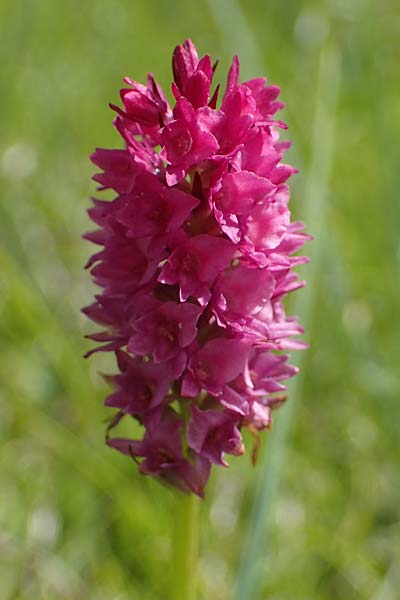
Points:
(196, 255)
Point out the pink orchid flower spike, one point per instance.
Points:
(195, 257)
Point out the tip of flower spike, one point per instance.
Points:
(184, 61)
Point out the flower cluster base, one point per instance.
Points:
(196, 253)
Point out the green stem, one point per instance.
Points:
(185, 547)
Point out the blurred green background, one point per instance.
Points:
(76, 520)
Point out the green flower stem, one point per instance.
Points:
(185, 547)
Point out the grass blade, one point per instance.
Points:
(249, 576)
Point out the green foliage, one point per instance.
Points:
(76, 520)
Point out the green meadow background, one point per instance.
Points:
(76, 519)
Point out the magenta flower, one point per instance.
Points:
(194, 265)
(214, 365)
(162, 454)
(196, 253)
(164, 331)
(211, 433)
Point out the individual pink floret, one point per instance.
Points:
(195, 264)
(165, 331)
(214, 365)
(142, 386)
(153, 209)
(160, 454)
(211, 433)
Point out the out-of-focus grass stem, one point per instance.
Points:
(316, 192)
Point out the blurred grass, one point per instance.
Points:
(316, 188)
(76, 520)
